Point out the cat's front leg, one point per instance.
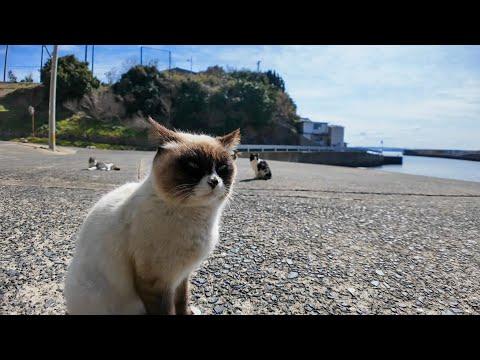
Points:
(181, 298)
(158, 302)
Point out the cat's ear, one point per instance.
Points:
(231, 140)
(159, 134)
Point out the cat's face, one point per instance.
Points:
(194, 170)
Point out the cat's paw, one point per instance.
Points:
(195, 311)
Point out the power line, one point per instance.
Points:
(146, 47)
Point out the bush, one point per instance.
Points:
(142, 88)
(253, 100)
(213, 99)
(74, 79)
(275, 80)
(191, 106)
(27, 79)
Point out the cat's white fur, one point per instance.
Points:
(132, 224)
(254, 165)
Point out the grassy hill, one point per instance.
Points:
(212, 101)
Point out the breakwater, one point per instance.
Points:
(338, 158)
(447, 154)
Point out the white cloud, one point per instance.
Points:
(426, 95)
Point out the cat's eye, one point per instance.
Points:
(192, 165)
(222, 168)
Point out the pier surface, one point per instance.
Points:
(315, 239)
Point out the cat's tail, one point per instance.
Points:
(115, 168)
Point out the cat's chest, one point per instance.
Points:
(168, 248)
(165, 232)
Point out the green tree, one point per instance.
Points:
(275, 80)
(251, 76)
(144, 89)
(11, 76)
(191, 106)
(215, 70)
(74, 79)
(254, 100)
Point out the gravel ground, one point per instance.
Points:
(313, 240)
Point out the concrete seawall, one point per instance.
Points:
(338, 158)
(447, 154)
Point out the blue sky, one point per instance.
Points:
(409, 96)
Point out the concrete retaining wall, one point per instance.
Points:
(339, 158)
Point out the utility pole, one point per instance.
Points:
(86, 52)
(48, 52)
(41, 63)
(53, 94)
(141, 55)
(258, 65)
(93, 55)
(169, 60)
(5, 65)
(191, 63)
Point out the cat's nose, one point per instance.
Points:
(212, 182)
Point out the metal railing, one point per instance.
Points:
(286, 148)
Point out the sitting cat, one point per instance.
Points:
(99, 165)
(260, 167)
(140, 243)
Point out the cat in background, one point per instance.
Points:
(260, 167)
(100, 165)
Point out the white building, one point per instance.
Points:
(314, 131)
(321, 133)
(336, 136)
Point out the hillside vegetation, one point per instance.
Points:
(213, 101)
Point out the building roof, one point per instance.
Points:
(305, 120)
(184, 71)
(315, 122)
